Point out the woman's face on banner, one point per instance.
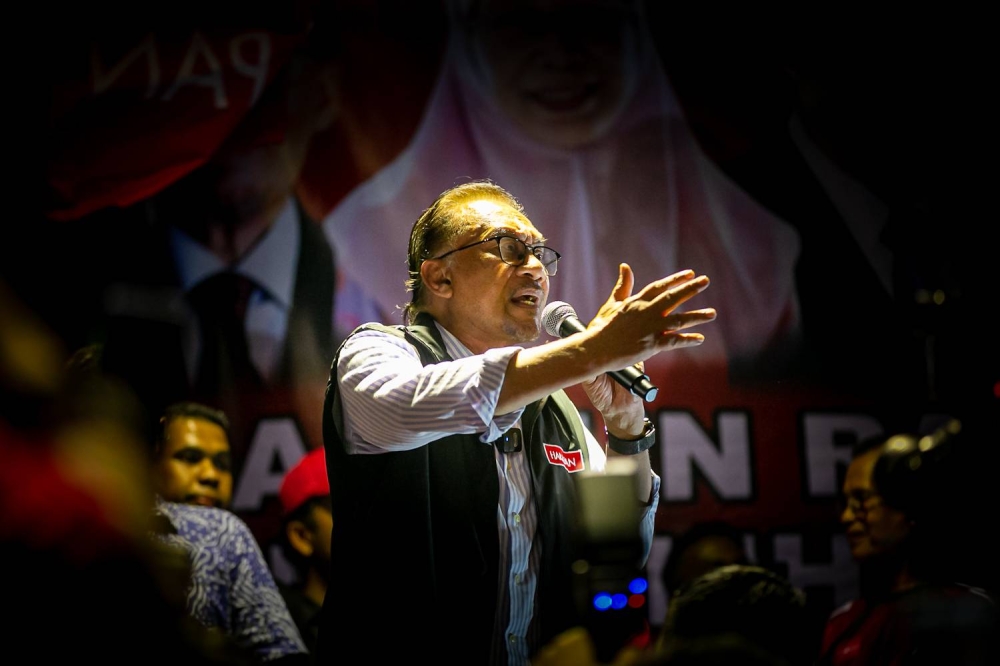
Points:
(559, 69)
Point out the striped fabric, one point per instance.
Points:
(392, 402)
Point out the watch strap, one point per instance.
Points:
(631, 447)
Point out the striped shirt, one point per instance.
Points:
(392, 402)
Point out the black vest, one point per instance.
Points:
(415, 551)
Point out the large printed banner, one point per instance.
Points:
(298, 150)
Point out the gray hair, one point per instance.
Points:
(442, 222)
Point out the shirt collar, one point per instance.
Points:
(452, 345)
(271, 263)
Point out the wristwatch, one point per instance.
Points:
(630, 447)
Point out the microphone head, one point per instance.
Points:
(553, 316)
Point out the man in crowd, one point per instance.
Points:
(230, 588)
(192, 460)
(307, 520)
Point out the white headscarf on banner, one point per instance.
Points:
(625, 183)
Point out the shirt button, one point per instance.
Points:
(517, 579)
(517, 519)
(512, 638)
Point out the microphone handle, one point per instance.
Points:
(635, 381)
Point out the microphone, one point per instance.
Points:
(560, 320)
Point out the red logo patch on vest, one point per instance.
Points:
(571, 460)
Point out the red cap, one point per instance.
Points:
(307, 479)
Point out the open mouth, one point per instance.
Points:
(527, 300)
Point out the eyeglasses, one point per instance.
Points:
(860, 503)
(514, 251)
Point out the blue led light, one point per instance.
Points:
(602, 601)
(638, 586)
(619, 601)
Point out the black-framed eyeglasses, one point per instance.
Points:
(514, 251)
(860, 503)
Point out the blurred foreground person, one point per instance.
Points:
(699, 549)
(733, 615)
(208, 563)
(760, 610)
(75, 493)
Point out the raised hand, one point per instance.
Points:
(636, 327)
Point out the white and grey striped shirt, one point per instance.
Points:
(392, 402)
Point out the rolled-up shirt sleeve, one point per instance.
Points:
(392, 402)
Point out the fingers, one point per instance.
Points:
(681, 320)
(622, 290)
(679, 276)
(626, 280)
(672, 340)
(662, 297)
(671, 283)
(676, 292)
(658, 287)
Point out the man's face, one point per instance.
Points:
(492, 303)
(873, 529)
(194, 465)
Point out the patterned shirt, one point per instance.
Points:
(231, 588)
(392, 402)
